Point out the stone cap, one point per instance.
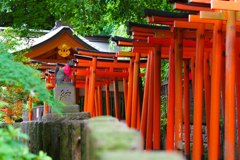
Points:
(70, 116)
(130, 155)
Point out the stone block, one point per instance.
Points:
(31, 135)
(83, 139)
(70, 116)
(15, 126)
(55, 138)
(110, 136)
(27, 132)
(23, 130)
(39, 136)
(65, 93)
(46, 137)
(64, 150)
(35, 133)
(68, 109)
(22, 127)
(129, 155)
(103, 119)
(74, 139)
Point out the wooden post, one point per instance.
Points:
(30, 109)
(207, 93)
(193, 74)
(96, 103)
(86, 94)
(130, 87)
(223, 74)
(135, 91)
(125, 86)
(238, 88)
(178, 89)
(186, 109)
(100, 100)
(157, 98)
(145, 101)
(138, 113)
(215, 88)
(230, 86)
(107, 99)
(46, 107)
(92, 90)
(117, 111)
(171, 99)
(198, 95)
(150, 105)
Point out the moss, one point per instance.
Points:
(112, 136)
(126, 155)
(103, 119)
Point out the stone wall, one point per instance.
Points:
(60, 137)
(99, 138)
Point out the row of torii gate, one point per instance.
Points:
(208, 38)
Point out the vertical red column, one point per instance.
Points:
(150, 106)
(193, 73)
(30, 109)
(145, 101)
(135, 91)
(125, 86)
(171, 98)
(157, 97)
(100, 100)
(130, 87)
(178, 89)
(238, 87)
(107, 99)
(86, 94)
(215, 88)
(92, 89)
(198, 95)
(207, 92)
(117, 111)
(186, 109)
(223, 84)
(230, 86)
(96, 103)
(138, 113)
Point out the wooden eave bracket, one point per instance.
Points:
(225, 5)
(217, 15)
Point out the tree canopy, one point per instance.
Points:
(86, 16)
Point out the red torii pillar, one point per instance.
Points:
(230, 75)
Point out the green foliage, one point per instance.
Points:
(16, 75)
(11, 149)
(87, 16)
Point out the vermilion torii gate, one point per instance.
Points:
(231, 34)
(203, 46)
(111, 64)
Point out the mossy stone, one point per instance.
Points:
(46, 137)
(69, 116)
(74, 139)
(39, 136)
(55, 138)
(129, 155)
(64, 150)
